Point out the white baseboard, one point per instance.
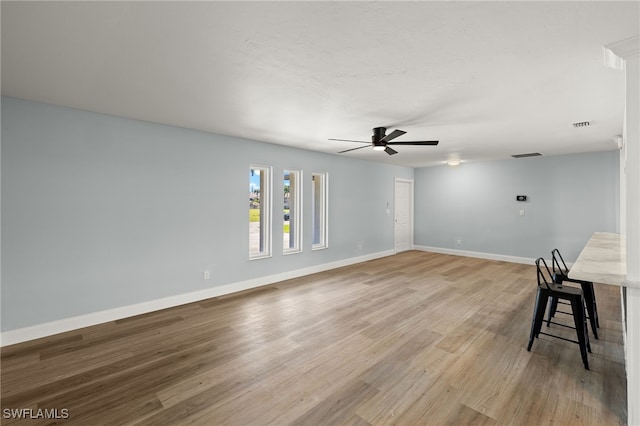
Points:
(480, 255)
(68, 324)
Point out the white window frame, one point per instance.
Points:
(266, 176)
(320, 214)
(295, 212)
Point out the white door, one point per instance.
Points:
(403, 221)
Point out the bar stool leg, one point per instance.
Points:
(538, 315)
(577, 306)
(553, 308)
(592, 309)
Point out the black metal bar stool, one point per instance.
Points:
(547, 289)
(561, 275)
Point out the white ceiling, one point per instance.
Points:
(487, 79)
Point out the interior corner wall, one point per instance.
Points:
(100, 212)
(631, 178)
(568, 198)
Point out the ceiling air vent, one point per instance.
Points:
(582, 124)
(531, 154)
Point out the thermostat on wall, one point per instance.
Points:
(521, 198)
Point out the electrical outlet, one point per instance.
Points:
(206, 275)
(458, 243)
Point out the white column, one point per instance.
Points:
(633, 238)
(629, 51)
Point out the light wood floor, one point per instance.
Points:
(416, 338)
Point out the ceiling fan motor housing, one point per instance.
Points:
(378, 134)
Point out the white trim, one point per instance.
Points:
(297, 212)
(68, 324)
(480, 255)
(411, 211)
(489, 256)
(324, 210)
(624, 323)
(625, 49)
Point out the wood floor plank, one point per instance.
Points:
(412, 339)
(341, 405)
(465, 415)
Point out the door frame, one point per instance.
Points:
(411, 207)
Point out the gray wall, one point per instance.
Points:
(100, 212)
(569, 198)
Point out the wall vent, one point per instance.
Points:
(582, 124)
(531, 154)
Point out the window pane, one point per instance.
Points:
(259, 208)
(292, 212)
(319, 209)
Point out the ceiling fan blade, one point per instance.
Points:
(393, 135)
(433, 143)
(390, 151)
(348, 140)
(353, 149)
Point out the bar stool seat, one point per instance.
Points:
(548, 289)
(560, 276)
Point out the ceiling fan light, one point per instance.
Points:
(378, 147)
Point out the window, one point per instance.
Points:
(319, 209)
(292, 212)
(259, 208)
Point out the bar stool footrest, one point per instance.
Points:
(561, 338)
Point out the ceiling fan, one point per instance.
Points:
(381, 141)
